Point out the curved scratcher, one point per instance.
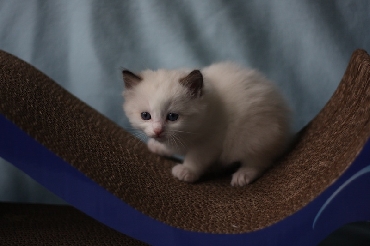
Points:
(102, 170)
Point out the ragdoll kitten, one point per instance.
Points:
(221, 115)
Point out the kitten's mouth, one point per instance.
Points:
(159, 138)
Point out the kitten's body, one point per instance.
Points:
(226, 114)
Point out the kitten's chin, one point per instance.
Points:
(161, 139)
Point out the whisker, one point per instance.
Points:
(171, 141)
(138, 135)
(182, 131)
(178, 141)
(177, 145)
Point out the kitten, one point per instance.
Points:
(222, 114)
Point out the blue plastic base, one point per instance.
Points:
(345, 201)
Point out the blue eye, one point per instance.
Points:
(146, 116)
(172, 116)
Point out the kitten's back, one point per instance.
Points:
(256, 111)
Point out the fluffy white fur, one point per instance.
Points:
(237, 115)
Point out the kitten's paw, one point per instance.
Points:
(183, 173)
(158, 148)
(244, 176)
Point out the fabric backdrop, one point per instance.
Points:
(303, 46)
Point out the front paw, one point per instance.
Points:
(184, 174)
(158, 148)
(244, 176)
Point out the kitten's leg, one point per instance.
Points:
(158, 148)
(196, 162)
(249, 171)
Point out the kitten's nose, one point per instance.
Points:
(158, 131)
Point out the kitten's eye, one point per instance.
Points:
(172, 116)
(146, 116)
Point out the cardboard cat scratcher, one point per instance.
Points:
(101, 170)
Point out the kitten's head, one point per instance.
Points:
(166, 105)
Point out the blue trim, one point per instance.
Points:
(357, 175)
(74, 187)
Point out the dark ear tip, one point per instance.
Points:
(128, 72)
(194, 82)
(197, 73)
(130, 79)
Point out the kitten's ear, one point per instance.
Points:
(194, 82)
(130, 79)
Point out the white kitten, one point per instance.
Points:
(222, 114)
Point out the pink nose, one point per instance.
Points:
(157, 131)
